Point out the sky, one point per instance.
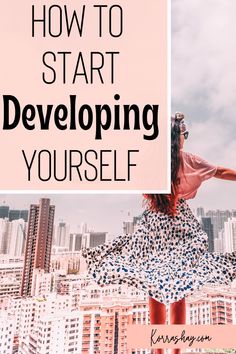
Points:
(204, 88)
(102, 212)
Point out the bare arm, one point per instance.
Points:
(225, 173)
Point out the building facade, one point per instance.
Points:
(38, 242)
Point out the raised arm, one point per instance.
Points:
(225, 173)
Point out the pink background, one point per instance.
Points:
(141, 78)
(138, 336)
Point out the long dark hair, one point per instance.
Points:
(167, 202)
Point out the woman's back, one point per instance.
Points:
(195, 171)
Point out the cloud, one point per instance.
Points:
(204, 82)
(204, 55)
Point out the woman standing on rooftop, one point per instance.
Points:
(167, 256)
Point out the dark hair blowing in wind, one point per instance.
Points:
(166, 203)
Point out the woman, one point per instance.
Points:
(167, 256)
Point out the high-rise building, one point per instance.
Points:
(38, 242)
(94, 239)
(12, 237)
(75, 242)
(24, 214)
(16, 238)
(3, 235)
(229, 235)
(15, 214)
(6, 333)
(4, 211)
(95, 321)
(208, 228)
(198, 310)
(10, 277)
(42, 283)
(84, 228)
(62, 235)
(219, 242)
(130, 226)
(218, 218)
(200, 212)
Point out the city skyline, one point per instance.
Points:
(218, 224)
(86, 208)
(62, 310)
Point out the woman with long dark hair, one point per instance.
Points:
(167, 256)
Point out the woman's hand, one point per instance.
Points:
(225, 173)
